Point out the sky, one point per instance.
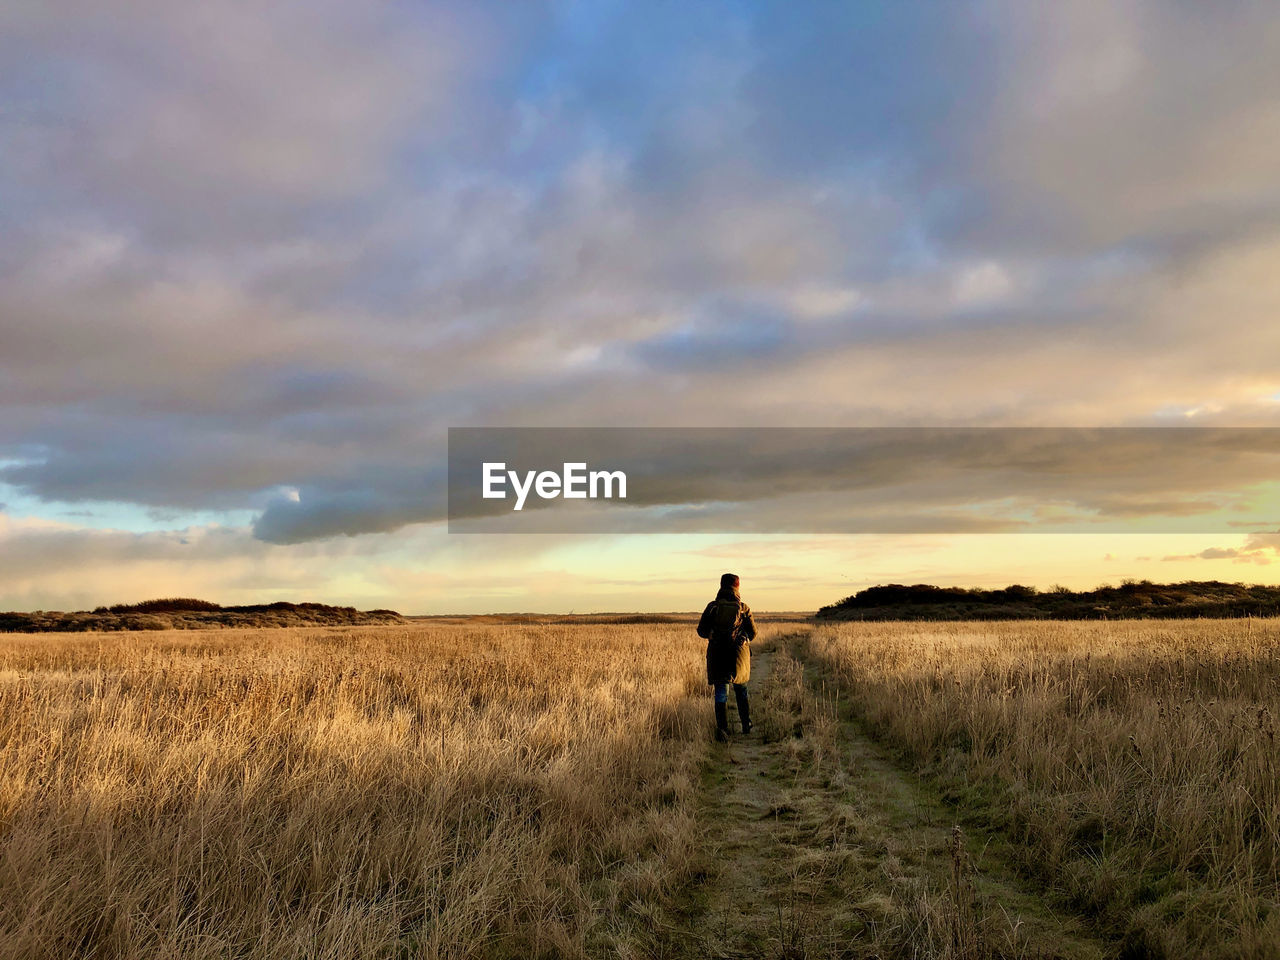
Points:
(256, 259)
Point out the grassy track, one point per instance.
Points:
(820, 846)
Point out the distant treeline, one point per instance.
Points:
(184, 613)
(1133, 599)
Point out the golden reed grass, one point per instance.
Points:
(438, 791)
(1133, 763)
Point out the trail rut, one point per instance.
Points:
(819, 845)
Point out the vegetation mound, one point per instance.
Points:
(185, 613)
(1132, 600)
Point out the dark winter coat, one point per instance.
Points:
(728, 628)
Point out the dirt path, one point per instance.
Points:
(821, 846)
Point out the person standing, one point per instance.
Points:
(727, 626)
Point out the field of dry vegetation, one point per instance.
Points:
(377, 792)
(1133, 764)
(470, 789)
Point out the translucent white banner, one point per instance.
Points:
(863, 480)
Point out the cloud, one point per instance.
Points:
(1218, 553)
(293, 519)
(249, 248)
(219, 122)
(1259, 548)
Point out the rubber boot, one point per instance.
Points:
(722, 723)
(744, 708)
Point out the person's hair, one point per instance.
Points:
(729, 580)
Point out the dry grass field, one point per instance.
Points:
(470, 789)
(376, 792)
(1133, 765)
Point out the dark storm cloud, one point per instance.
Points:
(315, 511)
(253, 251)
(286, 520)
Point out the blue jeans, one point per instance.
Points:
(722, 692)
